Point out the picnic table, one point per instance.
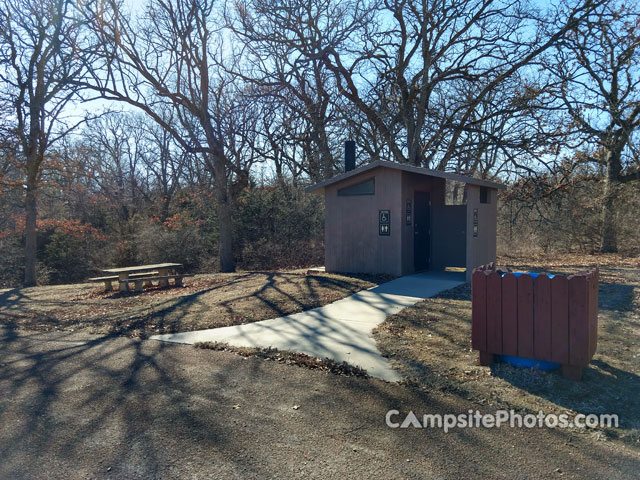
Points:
(162, 272)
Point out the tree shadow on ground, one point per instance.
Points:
(236, 299)
(66, 389)
(114, 407)
(604, 389)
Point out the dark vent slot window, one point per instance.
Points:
(363, 188)
(484, 195)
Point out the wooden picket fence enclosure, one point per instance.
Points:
(536, 317)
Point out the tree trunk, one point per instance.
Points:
(413, 143)
(609, 241)
(278, 165)
(225, 246)
(319, 138)
(327, 160)
(223, 209)
(30, 244)
(164, 212)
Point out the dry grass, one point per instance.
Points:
(205, 301)
(430, 343)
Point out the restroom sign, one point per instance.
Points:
(384, 223)
(475, 222)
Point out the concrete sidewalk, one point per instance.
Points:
(340, 331)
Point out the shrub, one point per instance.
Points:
(69, 250)
(12, 264)
(178, 239)
(279, 227)
(540, 217)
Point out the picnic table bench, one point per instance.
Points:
(109, 279)
(141, 275)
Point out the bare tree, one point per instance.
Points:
(162, 159)
(596, 78)
(278, 142)
(508, 133)
(405, 64)
(301, 84)
(41, 45)
(113, 149)
(171, 58)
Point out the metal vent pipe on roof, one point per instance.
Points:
(349, 155)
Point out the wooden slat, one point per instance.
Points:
(593, 313)
(590, 312)
(525, 316)
(143, 274)
(102, 279)
(479, 311)
(159, 277)
(140, 268)
(542, 318)
(494, 313)
(559, 320)
(578, 321)
(509, 314)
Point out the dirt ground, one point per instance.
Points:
(430, 343)
(205, 301)
(79, 406)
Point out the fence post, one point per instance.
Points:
(593, 312)
(578, 321)
(479, 311)
(542, 318)
(525, 316)
(494, 313)
(510, 315)
(560, 319)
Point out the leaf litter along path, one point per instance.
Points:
(206, 301)
(340, 331)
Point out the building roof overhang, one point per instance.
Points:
(406, 168)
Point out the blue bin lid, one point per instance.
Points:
(532, 275)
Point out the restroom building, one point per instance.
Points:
(391, 218)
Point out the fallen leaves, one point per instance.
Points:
(288, 358)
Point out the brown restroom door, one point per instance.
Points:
(421, 231)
